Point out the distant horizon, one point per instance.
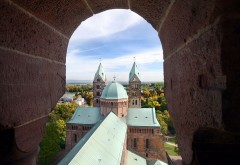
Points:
(90, 81)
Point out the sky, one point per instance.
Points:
(114, 37)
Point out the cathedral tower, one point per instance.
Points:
(134, 89)
(99, 83)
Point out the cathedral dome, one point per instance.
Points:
(114, 90)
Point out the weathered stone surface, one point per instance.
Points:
(101, 5)
(30, 88)
(20, 145)
(184, 20)
(23, 33)
(63, 15)
(190, 105)
(31, 133)
(152, 11)
(187, 18)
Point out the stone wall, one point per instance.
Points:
(155, 147)
(134, 93)
(119, 106)
(75, 133)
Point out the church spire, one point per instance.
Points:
(100, 73)
(134, 71)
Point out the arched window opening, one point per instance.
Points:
(149, 93)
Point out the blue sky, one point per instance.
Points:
(116, 36)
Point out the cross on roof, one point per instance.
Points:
(100, 60)
(114, 77)
(134, 59)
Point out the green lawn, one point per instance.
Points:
(172, 139)
(170, 149)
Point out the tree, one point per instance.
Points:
(146, 93)
(89, 98)
(163, 124)
(164, 120)
(49, 146)
(55, 132)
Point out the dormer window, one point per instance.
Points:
(98, 80)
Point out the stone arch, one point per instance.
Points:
(197, 37)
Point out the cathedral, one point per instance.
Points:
(116, 130)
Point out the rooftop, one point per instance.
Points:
(86, 115)
(114, 90)
(134, 159)
(134, 71)
(144, 117)
(156, 162)
(103, 144)
(100, 73)
(68, 95)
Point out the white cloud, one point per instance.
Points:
(84, 67)
(105, 24)
(145, 57)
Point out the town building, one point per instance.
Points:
(80, 101)
(67, 97)
(128, 131)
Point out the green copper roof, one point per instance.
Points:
(134, 71)
(144, 117)
(103, 144)
(156, 162)
(114, 90)
(86, 115)
(134, 159)
(100, 73)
